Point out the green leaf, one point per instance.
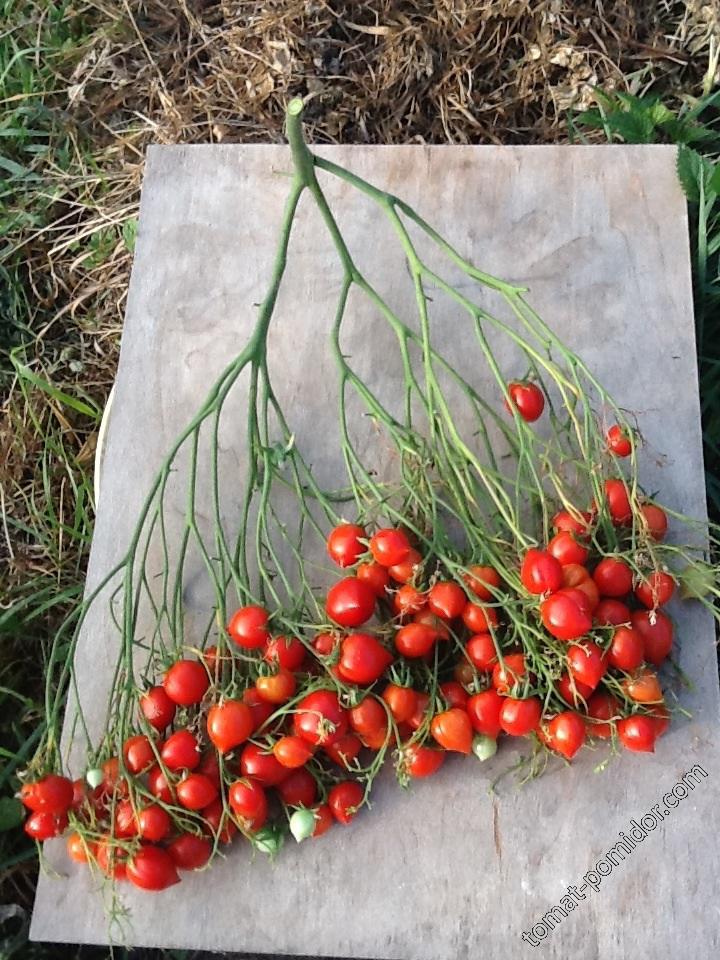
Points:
(714, 181)
(64, 398)
(634, 126)
(11, 813)
(689, 167)
(20, 173)
(659, 113)
(129, 233)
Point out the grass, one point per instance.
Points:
(85, 86)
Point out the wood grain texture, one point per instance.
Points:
(599, 234)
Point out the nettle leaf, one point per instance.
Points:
(694, 170)
(634, 126)
(660, 114)
(689, 165)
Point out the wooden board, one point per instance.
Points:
(599, 234)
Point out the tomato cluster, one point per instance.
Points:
(268, 733)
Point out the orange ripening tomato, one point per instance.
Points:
(643, 687)
(482, 580)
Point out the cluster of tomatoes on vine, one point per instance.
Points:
(284, 747)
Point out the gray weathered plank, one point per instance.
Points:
(600, 236)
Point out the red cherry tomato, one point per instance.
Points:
(210, 767)
(452, 730)
(248, 627)
(626, 650)
(586, 663)
(111, 859)
(638, 733)
(138, 754)
(520, 717)
(248, 801)
(151, 869)
(565, 615)
(527, 398)
(655, 521)
(52, 794)
(566, 733)
(618, 502)
(157, 708)
(389, 547)
(484, 712)
(405, 571)
(323, 820)
(478, 618)
(375, 576)
(603, 709)
(566, 549)
(421, 711)
(402, 702)
(660, 716)
(573, 574)
(153, 823)
(186, 682)
(656, 590)
(509, 672)
(320, 719)
(260, 709)
(261, 766)
(447, 600)
(190, 852)
(408, 600)
(287, 652)
(325, 644)
(218, 822)
(454, 694)
(181, 751)
(368, 717)
(277, 687)
(44, 825)
(159, 786)
(589, 588)
(656, 631)
(573, 691)
(229, 724)
(420, 762)
(540, 572)
(350, 602)
(344, 545)
(363, 659)
(292, 751)
(344, 799)
(618, 441)
(429, 619)
(299, 789)
(577, 524)
(611, 613)
(482, 580)
(124, 822)
(415, 640)
(196, 791)
(613, 577)
(480, 650)
(344, 750)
